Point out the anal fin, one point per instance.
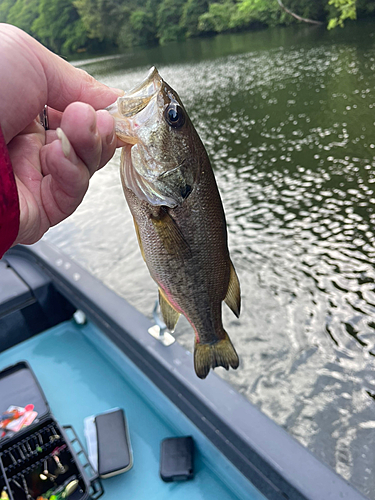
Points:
(233, 297)
(169, 313)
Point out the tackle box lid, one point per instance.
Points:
(20, 387)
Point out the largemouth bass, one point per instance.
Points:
(178, 216)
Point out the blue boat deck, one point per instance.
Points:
(82, 373)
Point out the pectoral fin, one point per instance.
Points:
(170, 315)
(170, 234)
(233, 297)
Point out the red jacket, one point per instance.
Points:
(9, 205)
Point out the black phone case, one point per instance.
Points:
(114, 449)
(177, 459)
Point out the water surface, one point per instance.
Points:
(287, 116)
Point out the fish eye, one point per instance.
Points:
(175, 116)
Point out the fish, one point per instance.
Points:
(178, 216)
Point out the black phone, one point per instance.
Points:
(113, 443)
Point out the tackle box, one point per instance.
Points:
(44, 459)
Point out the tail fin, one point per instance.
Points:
(221, 353)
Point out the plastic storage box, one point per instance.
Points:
(44, 458)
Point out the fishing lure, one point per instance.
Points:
(9, 416)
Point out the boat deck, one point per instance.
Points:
(82, 373)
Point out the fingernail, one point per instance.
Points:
(120, 92)
(110, 138)
(65, 144)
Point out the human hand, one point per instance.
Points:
(52, 168)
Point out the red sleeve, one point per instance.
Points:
(9, 205)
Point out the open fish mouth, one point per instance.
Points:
(134, 101)
(150, 85)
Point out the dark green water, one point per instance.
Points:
(287, 116)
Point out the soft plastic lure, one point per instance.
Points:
(9, 416)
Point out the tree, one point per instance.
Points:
(218, 18)
(310, 12)
(168, 21)
(143, 26)
(67, 25)
(5, 7)
(59, 26)
(191, 12)
(23, 13)
(257, 11)
(103, 19)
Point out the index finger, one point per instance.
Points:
(67, 84)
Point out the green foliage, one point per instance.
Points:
(269, 13)
(309, 10)
(258, 11)
(75, 37)
(218, 17)
(66, 26)
(103, 19)
(23, 13)
(365, 8)
(191, 12)
(168, 21)
(5, 7)
(142, 24)
(59, 26)
(345, 9)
